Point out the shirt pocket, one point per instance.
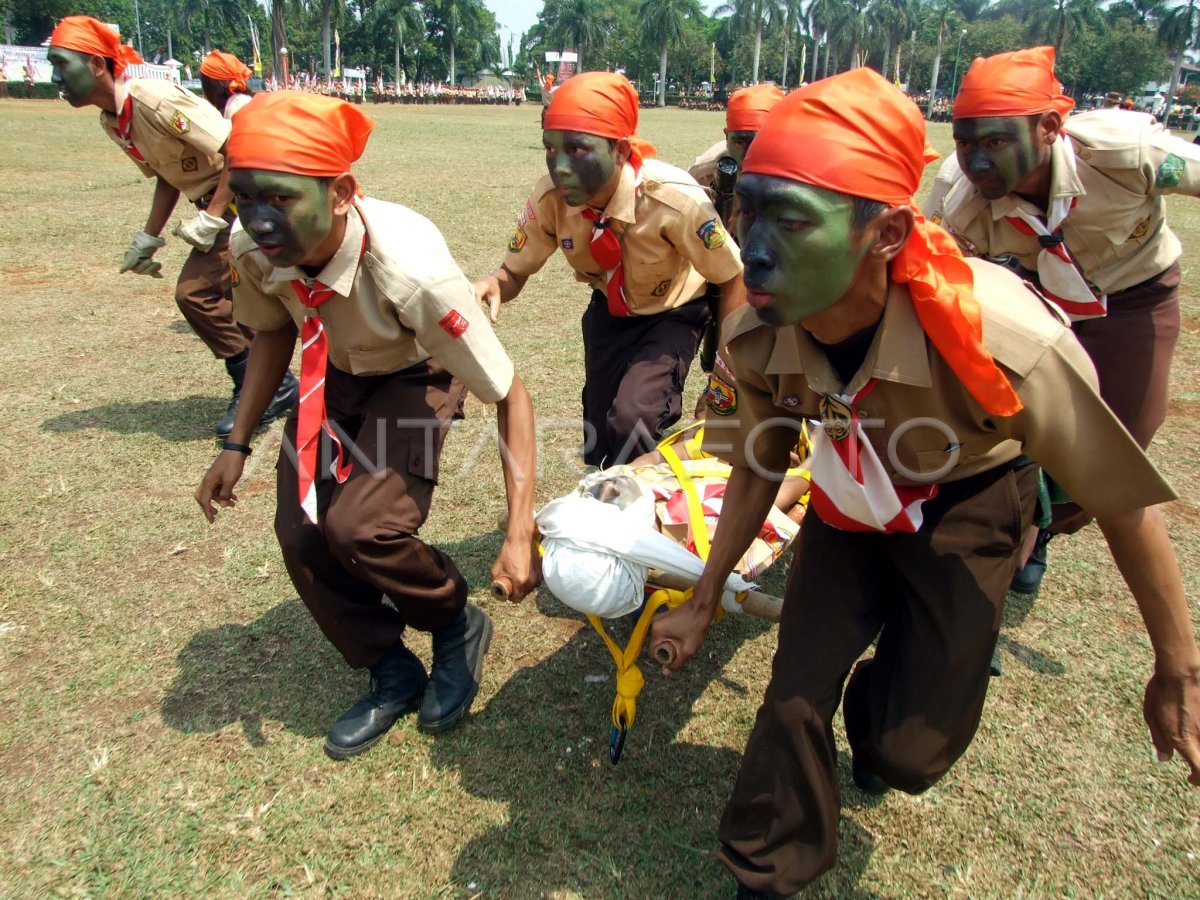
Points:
(372, 360)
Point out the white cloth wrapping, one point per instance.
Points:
(597, 553)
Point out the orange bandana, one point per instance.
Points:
(857, 134)
(600, 103)
(1020, 83)
(228, 68)
(299, 133)
(84, 34)
(749, 106)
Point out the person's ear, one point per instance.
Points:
(624, 151)
(343, 190)
(1050, 127)
(891, 229)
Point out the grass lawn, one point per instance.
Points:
(165, 693)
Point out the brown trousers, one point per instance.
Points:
(1131, 348)
(366, 549)
(634, 370)
(934, 599)
(204, 294)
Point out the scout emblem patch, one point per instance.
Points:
(721, 395)
(712, 233)
(526, 214)
(1170, 173)
(234, 278)
(517, 241)
(454, 324)
(568, 244)
(836, 417)
(180, 123)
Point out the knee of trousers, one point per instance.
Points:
(624, 418)
(914, 765)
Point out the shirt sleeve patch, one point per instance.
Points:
(721, 396)
(517, 241)
(1170, 173)
(712, 233)
(180, 123)
(454, 324)
(234, 278)
(526, 214)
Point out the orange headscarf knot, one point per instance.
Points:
(599, 103)
(226, 67)
(84, 34)
(748, 107)
(1020, 83)
(857, 134)
(299, 133)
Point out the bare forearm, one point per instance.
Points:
(748, 500)
(270, 354)
(221, 196)
(733, 295)
(161, 207)
(1142, 551)
(510, 283)
(518, 456)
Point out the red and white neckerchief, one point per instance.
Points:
(312, 419)
(1059, 277)
(851, 489)
(606, 250)
(125, 127)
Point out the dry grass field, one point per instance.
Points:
(165, 693)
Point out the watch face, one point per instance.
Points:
(727, 165)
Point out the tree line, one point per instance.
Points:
(666, 45)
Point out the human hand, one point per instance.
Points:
(518, 567)
(487, 292)
(202, 231)
(1172, 711)
(138, 258)
(219, 482)
(681, 631)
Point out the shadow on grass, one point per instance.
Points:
(186, 419)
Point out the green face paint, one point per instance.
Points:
(737, 143)
(71, 74)
(579, 164)
(286, 215)
(998, 153)
(798, 247)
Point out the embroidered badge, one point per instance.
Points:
(661, 289)
(836, 417)
(454, 324)
(188, 164)
(568, 244)
(180, 123)
(526, 214)
(712, 233)
(1170, 173)
(721, 396)
(234, 278)
(791, 400)
(517, 241)
(936, 218)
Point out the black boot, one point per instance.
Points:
(283, 402)
(397, 682)
(1028, 579)
(745, 893)
(866, 780)
(458, 651)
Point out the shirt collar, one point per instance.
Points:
(623, 203)
(899, 352)
(339, 272)
(1064, 182)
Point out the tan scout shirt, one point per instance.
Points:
(179, 135)
(704, 169)
(407, 301)
(1117, 233)
(671, 238)
(782, 375)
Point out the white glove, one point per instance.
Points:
(201, 232)
(138, 257)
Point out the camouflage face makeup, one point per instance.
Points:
(288, 216)
(72, 74)
(999, 153)
(581, 165)
(737, 143)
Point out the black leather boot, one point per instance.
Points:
(1028, 579)
(458, 651)
(866, 780)
(284, 401)
(397, 682)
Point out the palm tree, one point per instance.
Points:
(457, 17)
(580, 24)
(1178, 31)
(791, 15)
(1053, 21)
(748, 14)
(941, 11)
(823, 16)
(403, 18)
(893, 19)
(331, 15)
(855, 27)
(666, 21)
